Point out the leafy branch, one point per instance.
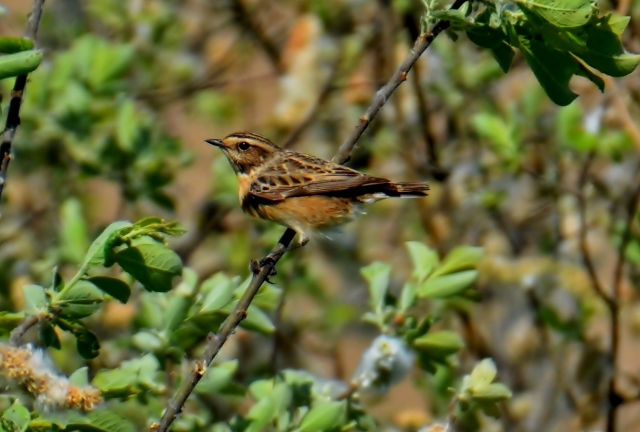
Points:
(558, 40)
(216, 341)
(139, 249)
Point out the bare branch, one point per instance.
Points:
(18, 332)
(422, 43)
(586, 256)
(216, 342)
(13, 115)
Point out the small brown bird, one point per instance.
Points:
(300, 191)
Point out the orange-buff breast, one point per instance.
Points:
(310, 213)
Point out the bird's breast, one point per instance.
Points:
(307, 213)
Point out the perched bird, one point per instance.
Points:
(300, 191)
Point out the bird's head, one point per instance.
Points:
(246, 151)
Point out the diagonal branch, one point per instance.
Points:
(216, 341)
(13, 115)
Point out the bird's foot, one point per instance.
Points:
(273, 257)
(256, 266)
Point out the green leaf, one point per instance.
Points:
(10, 320)
(600, 47)
(48, 335)
(447, 285)
(80, 377)
(116, 288)
(177, 310)
(12, 65)
(552, 68)
(15, 418)
(493, 38)
(257, 320)
(106, 421)
(219, 289)
(174, 229)
(423, 258)
(377, 275)
(269, 407)
(325, 417)
(459, 259)
(108, 62)
(87, 345)
(617, 23)
(483, 373)
(127, 130)
(11, 45)
(35, 298)
(149, 220)
(153, 265)
(559, 13)
(439, 344)
(495, 130)
(407, 296)
(73, 230)
(79, 300)
(491, 393)
(95, 256)
(131, 378)
(148, 342)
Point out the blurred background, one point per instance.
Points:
(113, 125)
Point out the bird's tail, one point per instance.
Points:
(411, 190)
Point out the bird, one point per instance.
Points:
(299, 191)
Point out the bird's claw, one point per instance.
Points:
(256, 267)
(269, 259)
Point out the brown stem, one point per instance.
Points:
(586, 256)
(216, 341)
(13, 115)
(423, 110)
(18, 332)
(422, 43)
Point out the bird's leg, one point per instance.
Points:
(277, 254)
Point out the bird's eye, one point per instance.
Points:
(243, 146)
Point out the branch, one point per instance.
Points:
(586, 256)
(422, 43)
(216, 341)
(13, 115)
(18, 332)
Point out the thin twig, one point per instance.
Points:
(586, 256)
(423, 110)
(625, 117)
(13, 115)
(422, 43)
(18, 332)
(216, 341)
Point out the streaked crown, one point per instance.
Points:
(246, 151)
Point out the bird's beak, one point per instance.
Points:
(215, 142)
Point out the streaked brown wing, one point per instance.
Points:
(303, 175)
